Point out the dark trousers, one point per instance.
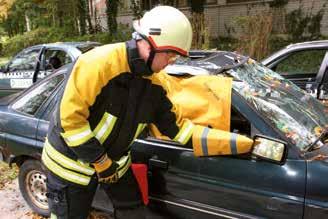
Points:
(70, 201)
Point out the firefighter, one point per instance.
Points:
(108, 100)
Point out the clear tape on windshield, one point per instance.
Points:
(299, 116)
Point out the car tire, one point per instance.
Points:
(32, 184)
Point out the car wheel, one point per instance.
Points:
(32, 184)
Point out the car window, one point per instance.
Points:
(54, 59)
(31, 101)
(238, 124)
(302, 62)
(25, 61)
(52, 105)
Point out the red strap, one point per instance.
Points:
(140, 173)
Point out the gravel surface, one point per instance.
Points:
(12, 204)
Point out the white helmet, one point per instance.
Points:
(166, 29)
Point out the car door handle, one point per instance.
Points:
(154, 162)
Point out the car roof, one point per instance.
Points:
(201, 63)
(320, 44)
(67, 45)
(309, 44)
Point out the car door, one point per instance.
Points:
(301, 67)
(28, 111)
(54, 89)
(185, 186)
(20, 132)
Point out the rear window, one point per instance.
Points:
(31, 101)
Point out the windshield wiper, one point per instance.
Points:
(313, 146)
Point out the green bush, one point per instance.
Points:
(277, 43)
(51, 35)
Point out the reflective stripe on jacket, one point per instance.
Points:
(75, 171)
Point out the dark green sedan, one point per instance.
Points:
(283, 177)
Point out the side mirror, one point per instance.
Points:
(270, 149)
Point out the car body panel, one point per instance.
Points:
(316, 204)
(22, 137)
(229, 186)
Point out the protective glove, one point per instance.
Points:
(106, 169)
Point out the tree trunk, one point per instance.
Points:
(198, 27)
(82, 16)
(200, 34)
(88, 14)
(111, 12)
(28, 23)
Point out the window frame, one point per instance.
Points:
(43, 58)
(52, 100)
(169, 143)
(285, 56)
(38, 49)
(37, 113)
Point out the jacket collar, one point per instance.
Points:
(137, 65)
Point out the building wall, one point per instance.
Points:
(314, 5)
(221, 16)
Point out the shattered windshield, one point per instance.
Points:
(297, 114)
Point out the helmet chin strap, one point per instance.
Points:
(137, 36)
(137, 65)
